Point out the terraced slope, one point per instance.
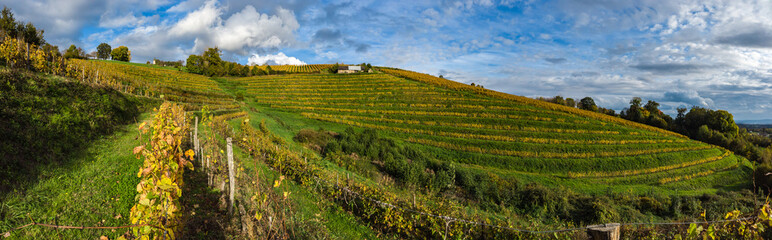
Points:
(193, 90)
(498, 132)
(308, 68)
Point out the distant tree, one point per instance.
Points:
(652, 107)
(244, 71)
(121, 53)
(570, 102)
(441, 76)
(194, 64)
(472, 84)
(559, 100)
(269, 70)
(212, 57)
(588, 103)
(74, 52)
(635, 102)
(103, 50)
(256, 71)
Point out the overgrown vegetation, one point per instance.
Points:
(45, 119)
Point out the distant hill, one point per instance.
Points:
(756, 122)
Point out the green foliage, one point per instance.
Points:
(587, 103)
(121, 53)
(104, 51)
(74, 52)
(195, 64)
(46, 119)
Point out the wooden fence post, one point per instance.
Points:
(195, 142)
(231, 180)
(608, 231)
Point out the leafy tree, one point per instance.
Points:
(635, 102)
(212, 57)
(32, 35)
(73, 52)
(121, 53)
(256, 71)
(103, 51)
(652, 107)
(244, 71)
(588, 103)
(559, 100)
(268, 70)
(8, 23)
(194, 64)
(570, 102)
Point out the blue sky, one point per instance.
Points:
(715, 54)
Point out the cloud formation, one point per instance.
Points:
(274, 59)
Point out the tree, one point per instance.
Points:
(652, 107)
(256, 71)
(212, 57)
(570, 102)
(635, 102)
(73, 52)
(103, 51)
(559, 100)
(194, 64)
(121, 53)
(8, 23)
(588, 103)
(268, 70)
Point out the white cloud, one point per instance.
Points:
(274, 59)
(208, 26)
(241, 32)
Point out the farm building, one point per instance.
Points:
(349, 69)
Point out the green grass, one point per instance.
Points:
(95, 188)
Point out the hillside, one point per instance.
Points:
(511, 136)
(403, 138)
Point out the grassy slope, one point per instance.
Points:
(95, 188)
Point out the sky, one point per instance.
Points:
(713, 54)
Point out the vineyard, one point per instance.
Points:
(511, 135)
(308, 68)
(194, 91)
(408, 155)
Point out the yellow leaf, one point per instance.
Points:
(103, 238)
(142, 125)
(276, 183)
(138, 149)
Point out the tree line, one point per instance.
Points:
(209, 63)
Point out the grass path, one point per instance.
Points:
(95, 188)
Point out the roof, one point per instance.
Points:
(357, 68)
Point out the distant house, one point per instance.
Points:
(349, 69)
